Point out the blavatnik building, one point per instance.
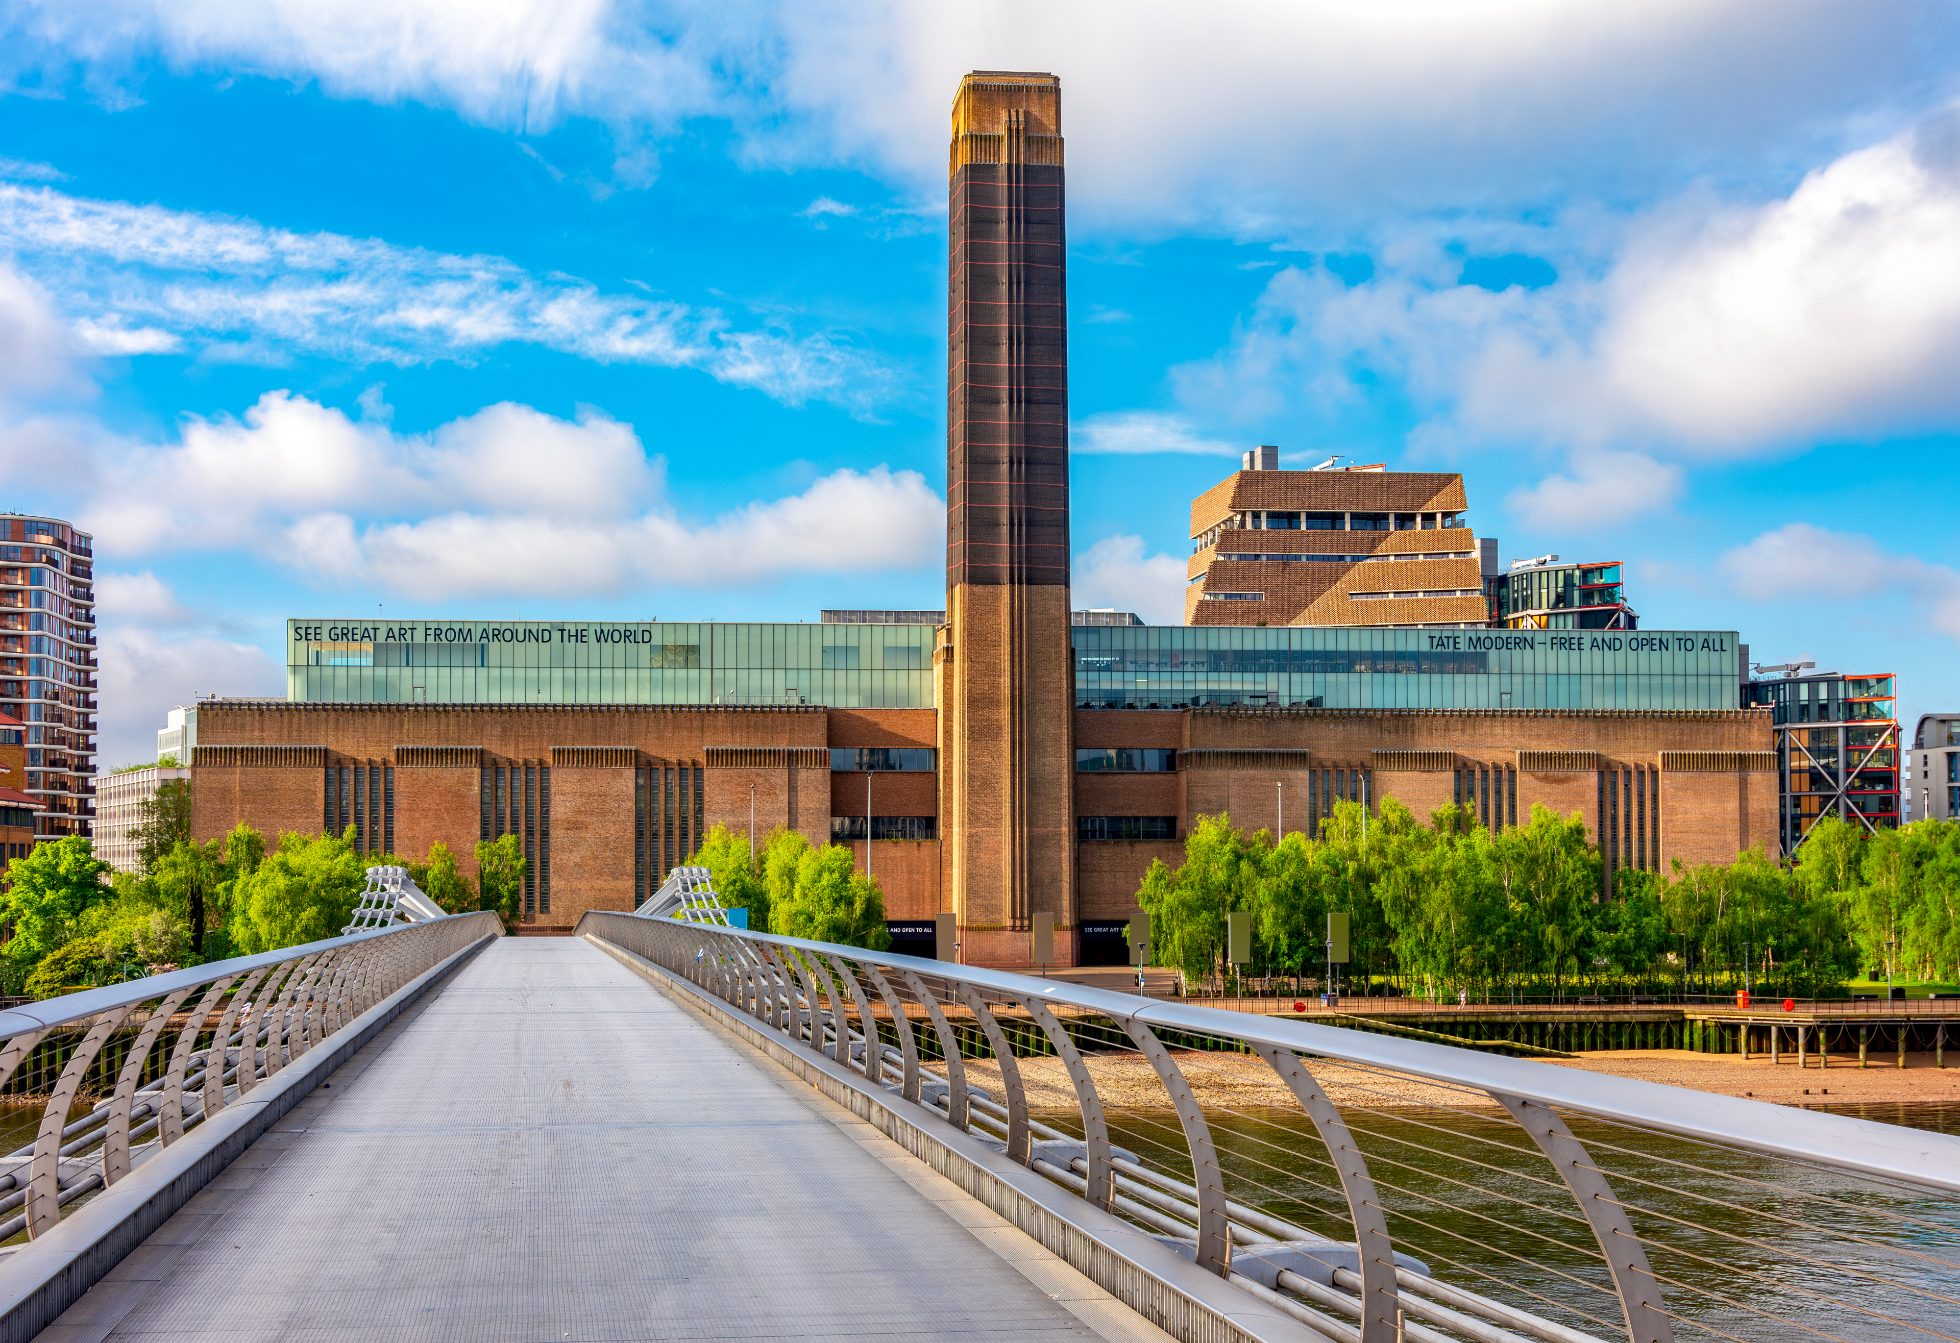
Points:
(1000, 759)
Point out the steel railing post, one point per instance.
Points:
(1214, 1246)
(1633, 1279)
(1016, 1100)
(1380, 1298)
(44, 1172)
(908, 1047)
(949, 1049)
(115, 1137)
(867, 1024)
(1095, 1126)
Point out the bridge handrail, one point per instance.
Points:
(811, 992)
(86, 1003)
(162, 1054)
(1918, 1156)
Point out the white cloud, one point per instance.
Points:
(514, 63)
(144, 673)
(1144, 431)
(1603, 488)
(144, 279)
(1283, 108)
(26, 170)
(1804, 564)
(508, 500)
(1235, 116)
(37, 351)
(138, 598)
(1117, 572)
(826, 207)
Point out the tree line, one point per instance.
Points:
(76, 924)
(1452, 906)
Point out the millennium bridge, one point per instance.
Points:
(670, 1128)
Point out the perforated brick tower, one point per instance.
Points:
(1005, 670)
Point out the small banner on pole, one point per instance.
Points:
(1139, 938)
(1337, 937)
(1238, 937)
(946, 936)
(1041, 938)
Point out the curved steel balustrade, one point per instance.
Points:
(1654, 1181)
(154, 1058)
(389, 899)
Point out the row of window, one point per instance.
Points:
(1328, 521)
(1125, 827)
(844, 829)
(362, 796)
(901, 759)
(668, 824)
(1124, 760)
(516, 800)
(1261, 557)
(1426, 592)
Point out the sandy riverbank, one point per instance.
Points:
(1238, 1081)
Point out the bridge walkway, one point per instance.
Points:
(550, 1149)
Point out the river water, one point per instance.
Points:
(1743, 1246)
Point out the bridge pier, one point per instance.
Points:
(1864, 1040)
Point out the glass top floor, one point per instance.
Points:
(890, 665)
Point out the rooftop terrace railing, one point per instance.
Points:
(1378, 1189)
(93, 1083)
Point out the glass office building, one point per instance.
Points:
(865, 666)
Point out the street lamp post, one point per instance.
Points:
(752, 824)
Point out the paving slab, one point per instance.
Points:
(550, 1150)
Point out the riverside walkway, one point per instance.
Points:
(549, 1148)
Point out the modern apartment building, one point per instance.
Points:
(47, 664)
(1933, 784)
(1545, 594)
(1837, 746)
(1355, 545)
(17, 808)
(120, 797)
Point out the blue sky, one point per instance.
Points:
(589, 308)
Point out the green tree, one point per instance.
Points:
(48, 889)
(733, 872)
(500, 869)
(163, 821)
(831, 901)
(189, 877)
(782, 855)
(304, 890)
(443, 881)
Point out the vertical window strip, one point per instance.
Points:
(346, 802)
(639, 836)
(326, 802)
(1511, 794)
(544, 839)
(483, 804)
(530, 841)
(700, 807)
(372, 830)
(388, 808)
(686, 810)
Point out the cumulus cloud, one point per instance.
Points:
(508, 500)
(37, 349)
(1143, 431)
(1176, 112)
(515, 63)
(138, 598)
(144, 279)
(145, 672)
(1601, 489)
(1118, 572)
(1802, 563)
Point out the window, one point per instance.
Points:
(1125, 827)
(840, 657)
(907, 759)
(1234, 596)
(846, 828)
(1125, 760)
